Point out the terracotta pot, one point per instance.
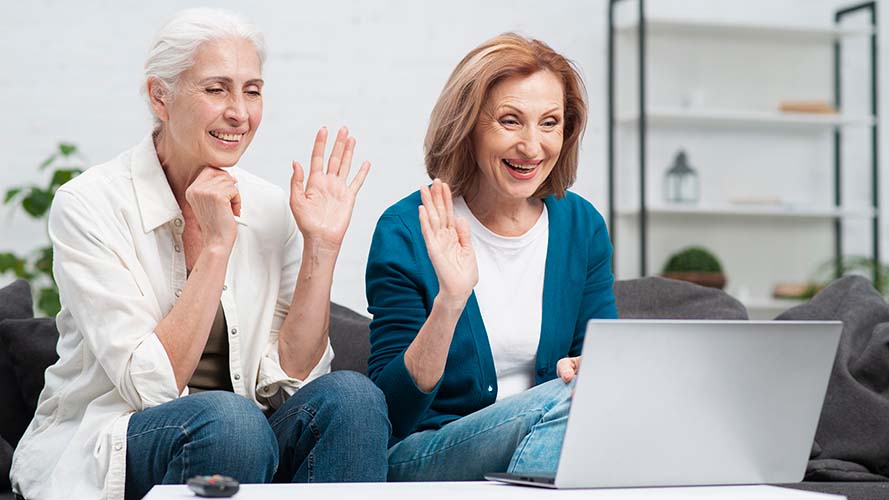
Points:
(711, 280)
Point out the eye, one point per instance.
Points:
(551, 122)
(254, 93)
(214, 90)
(509, 120)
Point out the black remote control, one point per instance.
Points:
(213, 486)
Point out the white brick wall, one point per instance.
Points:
(71, 71)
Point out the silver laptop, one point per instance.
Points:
(683, 403)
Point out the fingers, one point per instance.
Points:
(236, 203)
(425, 228)
(358, 181)
(336, 156)
(426, 196)
(317, 163)
(438, 200)
(567, 368)
(346, 162)
(448, 204)
(297, 180)
(463, 234)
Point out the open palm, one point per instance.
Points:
(323, 207)
(448, 242)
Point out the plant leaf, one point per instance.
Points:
(48, 301)
(10, 194)
(17, 265)
(67, 149)
(8, 262)
(44, 261)
(47, 162)
(37, 202)
(62, 176)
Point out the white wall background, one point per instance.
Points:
(71, 72)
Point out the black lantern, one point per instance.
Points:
(681, 183)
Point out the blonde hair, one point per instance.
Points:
(448, 144)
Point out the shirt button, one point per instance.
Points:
(490, 389)
(177, 248)
(178, 292)
(118, 446)
(178, 222)
(237, 376)
(234, 331)
(224, 287)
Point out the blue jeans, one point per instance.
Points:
(521, 434)
(333, 429)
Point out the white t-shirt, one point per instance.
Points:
(510, 296)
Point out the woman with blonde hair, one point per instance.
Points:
(481, 285)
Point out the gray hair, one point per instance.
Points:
(174, 48)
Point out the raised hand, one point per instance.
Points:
(447, 242)
(215, 200)
(323, 207)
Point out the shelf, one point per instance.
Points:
(742, 210)
(729, 118)
(746, 31)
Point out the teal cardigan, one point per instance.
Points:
(401, 286)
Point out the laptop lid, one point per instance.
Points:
(668, 403)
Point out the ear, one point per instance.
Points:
(157, 98)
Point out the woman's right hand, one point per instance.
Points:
(215, 200)
(448, 243)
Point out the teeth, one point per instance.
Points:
(226, 137)
(521, 168)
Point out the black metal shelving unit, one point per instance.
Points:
(857, 9)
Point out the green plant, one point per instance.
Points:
(856, 264)
(36, 267)
(692, 259)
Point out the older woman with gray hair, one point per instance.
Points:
(193, 331)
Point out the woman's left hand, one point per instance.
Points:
(323, 208)
(567, 368)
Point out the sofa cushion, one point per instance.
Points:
(349, 337)
(15, 303)
(5, 464)
(661, 298)
(31, 345)
(852, 440)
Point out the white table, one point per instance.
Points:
(487, 491)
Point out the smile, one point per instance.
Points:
(226, 137)
(522, 168)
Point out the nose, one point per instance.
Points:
(236, 110)
(529, 145)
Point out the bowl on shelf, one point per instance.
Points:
(708, 279)
(696, 265)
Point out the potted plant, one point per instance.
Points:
(35, 200)
(696, 265)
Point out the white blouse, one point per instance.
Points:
(116, 232)
(509, 292)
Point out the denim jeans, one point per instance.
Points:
(522, 434)
(333, 429)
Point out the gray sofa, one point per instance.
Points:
(27, 346)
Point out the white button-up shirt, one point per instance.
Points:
(116, 232)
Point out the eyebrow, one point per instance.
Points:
(225, 79)
(519, 111)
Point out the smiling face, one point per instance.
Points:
(518, 137)
(217, 106)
